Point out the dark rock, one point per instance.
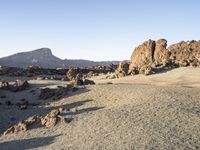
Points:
(4, 85)
(47, 93)
(19, 85)
(88, 82)
(8, 103)
(23, 104)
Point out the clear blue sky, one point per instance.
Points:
(94, 29)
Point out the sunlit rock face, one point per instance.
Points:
(153, 54)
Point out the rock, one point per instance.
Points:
(47, 93)
(74, 89)
(4, 85)
(88, 82)
(161, 53)
(50, 120)
(8, 103)
(71, 74)
(23, 104)
(185, 53)
(2, 97)
(20, 127)
(33, 119)
(109, 83)
(19, 85)
(122, 69)
(154, 55)
(40, 78)
(133, 71)
(142, 55)
(78, 80)
(111, 76)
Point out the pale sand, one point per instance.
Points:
(160, 111)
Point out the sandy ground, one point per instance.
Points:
(160, 111)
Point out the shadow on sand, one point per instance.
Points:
(24, 144)
(23, 115)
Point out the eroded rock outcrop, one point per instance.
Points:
(152, 56)
(142, 56)
(185, 53)
(122, 69)
(161, 53)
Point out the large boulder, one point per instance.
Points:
(161, 53)
(4, 85)
(143, 55)
(185, 53)
(122, 69)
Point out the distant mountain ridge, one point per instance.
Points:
(43, 57)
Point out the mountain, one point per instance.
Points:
(43, 57)
(86, 63)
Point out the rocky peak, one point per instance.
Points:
(43, 52)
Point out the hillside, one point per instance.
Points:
(43, 57)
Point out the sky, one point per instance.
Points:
(94, 29)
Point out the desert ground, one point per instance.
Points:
(159, 111)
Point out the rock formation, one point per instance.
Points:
(71, 74)
(19, 85)
(152, 56)
(50, 120)
(122, 69)
(58, 92)
(4, 85)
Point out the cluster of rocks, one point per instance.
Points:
(21, 104)
(18, 85)
(153, 56)
(121, 71)
(76, 77)
(58, 92)
(49, 120)
(37, 71)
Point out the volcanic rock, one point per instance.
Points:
(122, 69)
(4, 85)
(19, 85)
(153, 56)
(71, 74)
(23, 104)
(47, 93)
(20, 127)
(88, 82)
(142, 55)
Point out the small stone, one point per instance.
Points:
(8, 103)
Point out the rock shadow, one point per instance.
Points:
(27, 143)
